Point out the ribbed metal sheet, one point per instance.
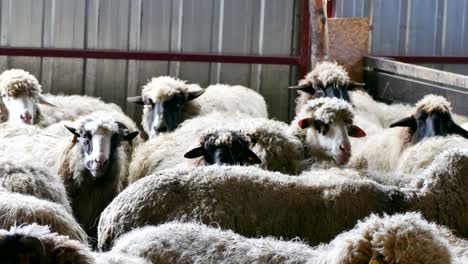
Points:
(264, 27)
(414, 27)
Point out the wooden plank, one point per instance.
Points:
(395, 88)
(418, 72)
(349, 40)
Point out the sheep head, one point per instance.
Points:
(328, 79)
(20, 92)
(225, 146)
(325, 124)
(431, 118)
(164, 99)
(98, 138)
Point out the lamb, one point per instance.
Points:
(315, 206)
(169, 101)
(30, 180)
(383, 151)
(93, 164)
(18, 208)
(401, 238)
(319, 134)
(37, 244)
(22, 102)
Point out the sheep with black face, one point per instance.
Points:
(169, 101)
(383, 151)
(319, 135)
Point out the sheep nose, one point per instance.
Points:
(26, 117)
(101, 159)
(346, 147)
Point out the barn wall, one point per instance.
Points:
(414, 27)
(261, 27)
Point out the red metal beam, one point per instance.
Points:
(304, 48)
(330, 6)
(150, 56)
(429, 59)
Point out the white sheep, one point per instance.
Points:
(250, 201)
(319, 134)
(93, 161)
(35, 243)
(401, 238)
(169, 101)
(383, 151)
(22, 102)
(315, 206)
(18, 208)
(22, 178)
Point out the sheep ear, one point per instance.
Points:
(355, 131)
(458, 130)
(305, 123)
(308, 88)
(194, 94)
(43, 100)
(406, 122)
(195, 153)
(136, 100)
(353, 85)
(72, 130)
(252, 157)
(130, 136)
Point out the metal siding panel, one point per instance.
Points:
(385, 32)
(277, 38)
(423, 28)
(64, 27)
(454, 29)
(22, 27)
(348, 8)
(110, 76)
(238, 38)
(196, 37)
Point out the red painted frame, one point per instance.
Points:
(302, 60)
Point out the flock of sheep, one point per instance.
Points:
(357, 181)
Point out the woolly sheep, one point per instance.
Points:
(169, 101)
(250, 201)
(22, 178)
(332, 80)
(315, 206)
(384, 150)
(93, 163)
(37, 244)
(22, 102)
(319, 134)
(401, 238)
(18, 208)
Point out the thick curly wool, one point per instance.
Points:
(16, 82)
(431, 103)
(327, 110)
(162, 88)
(20, 177)
(223, 194)
(17, 208)
(58, 248)
(222, 137)
(401, 238)
(326, 73)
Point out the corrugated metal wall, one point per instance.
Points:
(263, 27)
(414, 27)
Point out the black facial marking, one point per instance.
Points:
(16, 249)
(321, 127)
(170, 111)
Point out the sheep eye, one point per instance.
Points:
(148, 101)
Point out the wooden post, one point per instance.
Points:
(318, 27)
